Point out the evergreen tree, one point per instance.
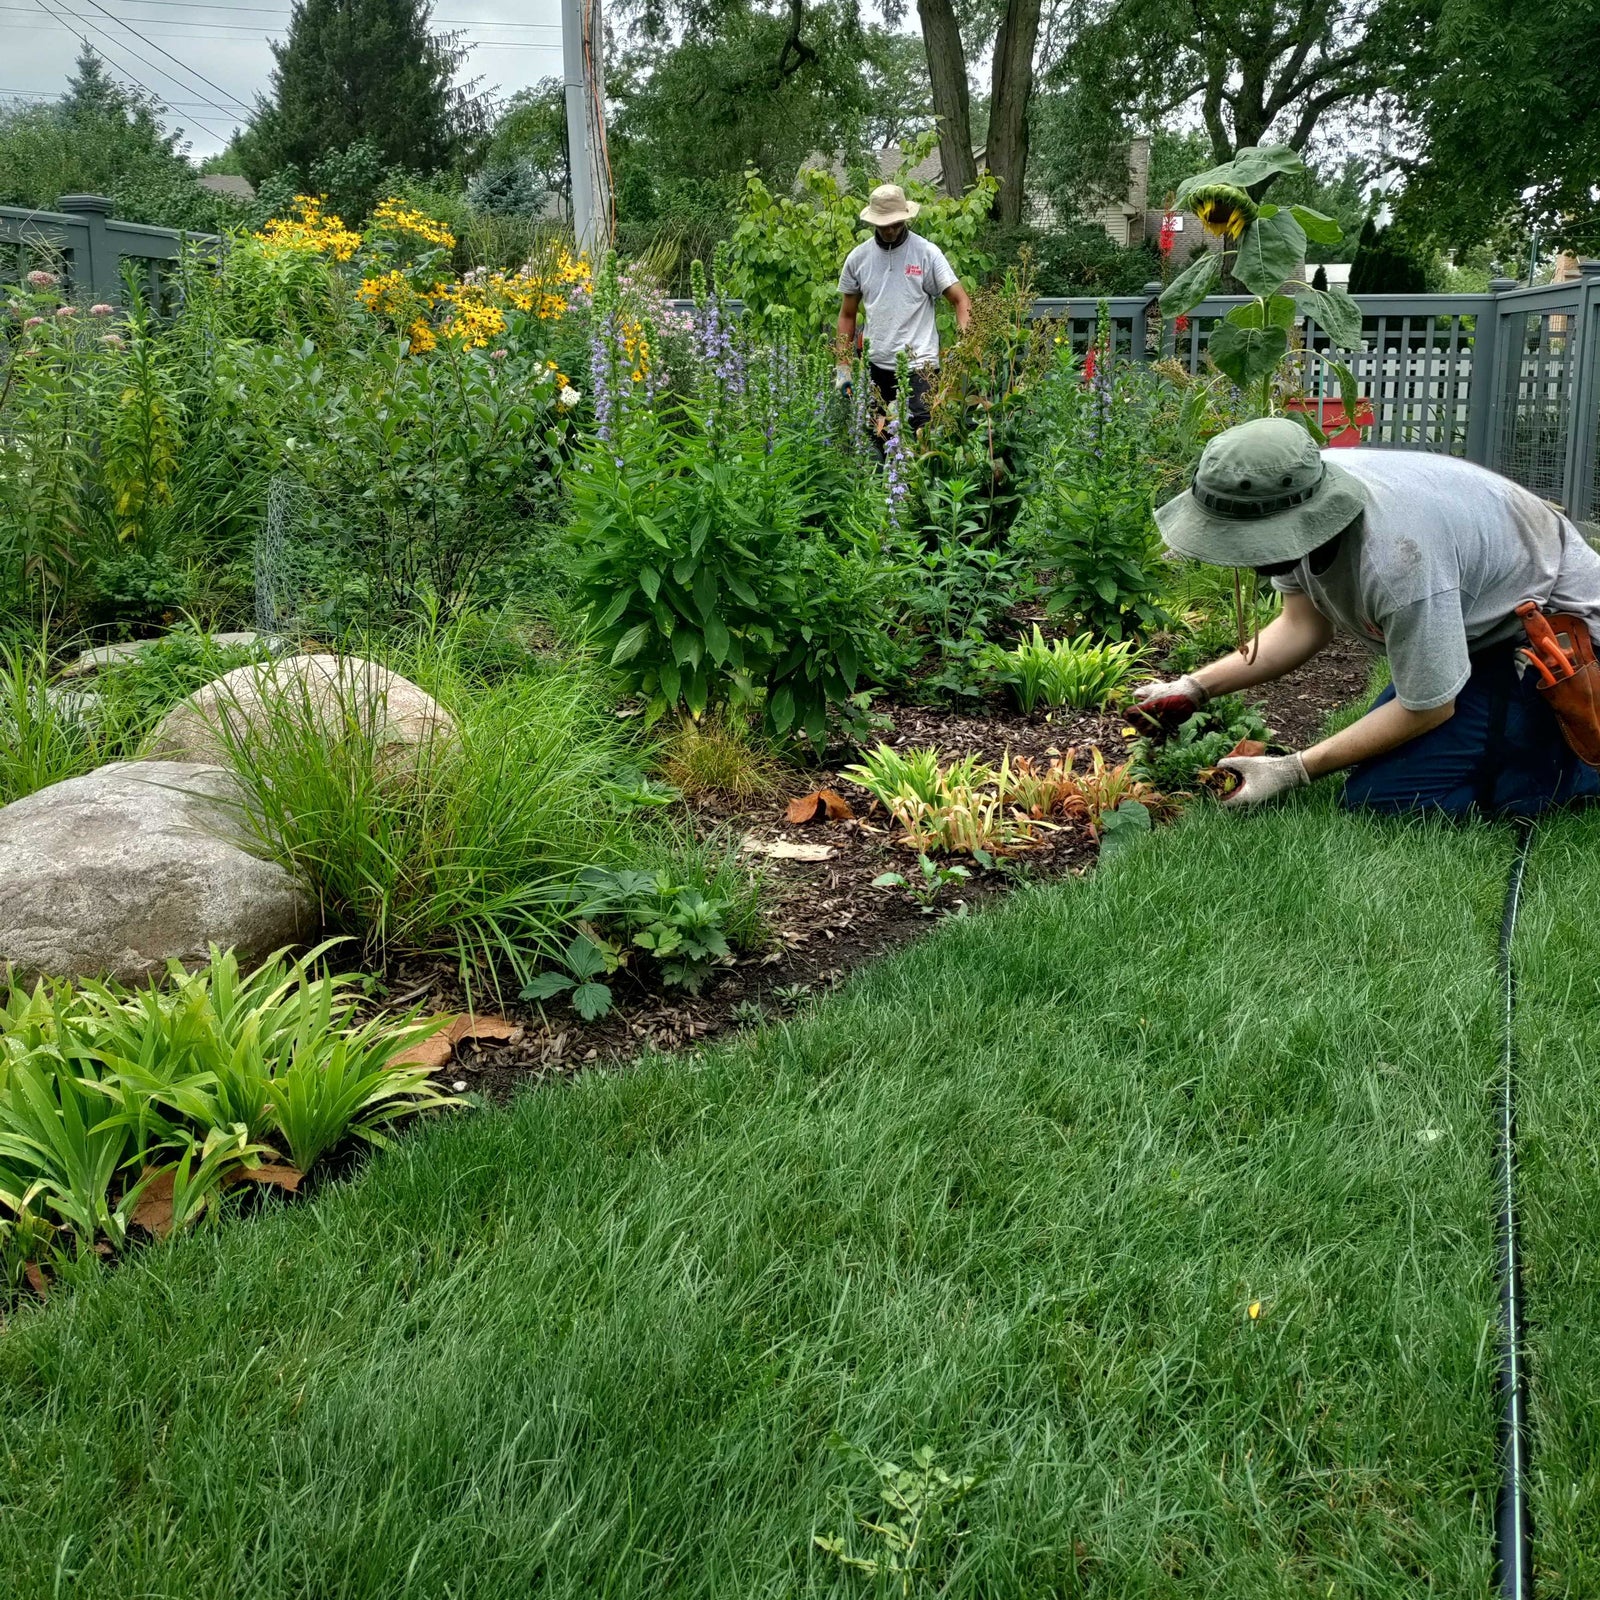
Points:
(354, 70)
(1385, 263)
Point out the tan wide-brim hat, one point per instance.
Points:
(1262, 494)
(888, 205)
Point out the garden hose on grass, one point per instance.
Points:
(1513, 1526)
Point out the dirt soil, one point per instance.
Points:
(825, 916)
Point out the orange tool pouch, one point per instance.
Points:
(1562, 645)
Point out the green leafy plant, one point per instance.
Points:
(942, 808)
(1089, 519)
(1264, 247)
(1080, 671)
(107, 1094)
(913, 1531)
(936, 877)
(1201, 741)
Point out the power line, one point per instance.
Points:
(238, 33)
(144, 60)
(200, 76)
(281, 11)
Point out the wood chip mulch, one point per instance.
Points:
(825, 916)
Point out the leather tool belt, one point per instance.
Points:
(1561, 650)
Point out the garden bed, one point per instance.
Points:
(828, 918)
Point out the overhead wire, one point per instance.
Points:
(200, 77)
(112, 47)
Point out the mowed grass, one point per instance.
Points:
(1011, 1196)
(1558, 1026)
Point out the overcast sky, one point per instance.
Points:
(209, 61)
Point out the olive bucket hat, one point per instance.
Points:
(1262, 494)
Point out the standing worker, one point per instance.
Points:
(1485, 599)
(900, 275)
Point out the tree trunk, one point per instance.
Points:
(947, 73)
(1006, 151)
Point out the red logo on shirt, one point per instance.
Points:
(913, 271)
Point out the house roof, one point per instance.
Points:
(228, 183)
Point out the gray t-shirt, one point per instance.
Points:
(900, 289)
(1438, 563)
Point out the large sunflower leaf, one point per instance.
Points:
(1320, 228)
(1276, 311)
(1246, 355)
(1192, 285)
(1270, 252)
(1336, 314)
(1249, 166)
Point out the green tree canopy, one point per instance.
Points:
(1506, 121)
(105, 137)
(363, 71)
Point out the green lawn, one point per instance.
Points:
(1558, 1016)
(1011, 1195)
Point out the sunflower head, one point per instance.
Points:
(1223, 209)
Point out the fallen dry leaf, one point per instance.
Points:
(154, 1210)
(783, 850)
(270, 1175)
(482, 1028)
(1248, 747)
(37, 1281)
(821, 805)
(430, 1053)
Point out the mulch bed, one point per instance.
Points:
(826, 917)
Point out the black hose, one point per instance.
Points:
(1513, 1524)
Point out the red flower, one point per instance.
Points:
(1181, 325)
(1088, 366)
(1169, 230)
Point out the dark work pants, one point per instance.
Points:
(1502, 754)
(886, 381)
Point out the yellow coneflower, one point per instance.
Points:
(1223, 210)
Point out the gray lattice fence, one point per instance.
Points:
(1510, 378)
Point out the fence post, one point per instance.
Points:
(1583, 417)
(1486, 387)
(101, 273)
(1152, 291)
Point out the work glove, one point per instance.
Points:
(1158, 708)
(844, 379)
(1263, 777)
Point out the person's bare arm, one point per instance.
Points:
(1382, 729)
(957, 296)
(845, 337)
(1290, 640)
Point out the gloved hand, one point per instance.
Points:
(1263, 777)
(844, 379)
(1158, 708)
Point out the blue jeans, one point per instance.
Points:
(1501, 754)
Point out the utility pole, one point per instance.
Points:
(583, 52)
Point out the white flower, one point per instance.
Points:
(570, 396)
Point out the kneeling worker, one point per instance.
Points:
(1426, 559)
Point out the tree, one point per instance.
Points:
(362, 70)
(1503, 111)
(105, 137)
(1386, 263)
(1271, 74)
(1010, 94)
(742, 89)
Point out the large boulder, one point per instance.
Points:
(322, 691)
(112, 873)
